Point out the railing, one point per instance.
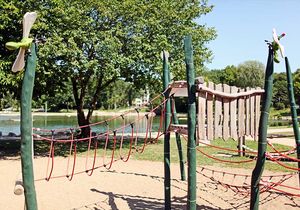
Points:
(224, 111)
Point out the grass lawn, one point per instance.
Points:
(154, 152)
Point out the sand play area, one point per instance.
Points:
(131, 185)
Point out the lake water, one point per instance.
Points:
(11, 123)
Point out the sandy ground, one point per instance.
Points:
(131, 185)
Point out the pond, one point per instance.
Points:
(11, 123)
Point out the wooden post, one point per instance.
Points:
(167, 172)
(241, 142)
(210, 115)
(257, 114)
(191, 153)
(218, 120)
(252, 115)
(226, 132)
(26, 130)
(293, 109)
(262, 138)
(233, 115)
(202, 132)
(247, 101)
(19, 188)
(178, 142)
(241, 115)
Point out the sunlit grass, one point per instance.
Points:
(155, 152)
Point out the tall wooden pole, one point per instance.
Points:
(178, 142)
(262, 136)
(167, 181)
(177, 136)
(191, 150)
(293, 108)
(26, 130)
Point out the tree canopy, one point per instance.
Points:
(250, 74)
(92, 43)
(247, 74)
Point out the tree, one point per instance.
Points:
(250, 74)
(296, 79)
(92, 43)
(215, 75)
(9, 28)
(280, 93)
(228, 75)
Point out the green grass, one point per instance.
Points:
(282, 112)
(154, 152)
(280, 126)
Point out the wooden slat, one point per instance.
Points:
(179, 89)
(210, 116)
(257, 114)
(233, 115)
(182, 129)
(252, 115)
(218, 114)
(200, 88)
(247, 114)
(179, 92)
(226, 132)
(241, 115)
(201, 116)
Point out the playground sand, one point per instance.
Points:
(131, 185)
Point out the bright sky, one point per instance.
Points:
(243, 25)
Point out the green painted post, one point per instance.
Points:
(26, 130)
(167, 181)
(262, 135)
(179, 147)
(293, 108)
(178, 140)
(191, 150)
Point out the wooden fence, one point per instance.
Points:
(224, 111)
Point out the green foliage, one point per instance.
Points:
(280, 92)
(228, 75)
(92, 43)
(250, 74)
(9, 29)
(117, 95)
(296, 79)
(216, 76)
(247, 74)
(8, 101)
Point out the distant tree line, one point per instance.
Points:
(251, 74)
(121, 94)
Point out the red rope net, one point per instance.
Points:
(107, 143)
(243, 188)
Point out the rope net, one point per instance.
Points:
(106, 143)
(242, 185)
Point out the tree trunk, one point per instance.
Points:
(81, 118)
(83, 121)
(79, 100)
(130, 97)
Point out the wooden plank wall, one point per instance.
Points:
(227, 117)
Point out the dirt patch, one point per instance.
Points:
(131, 185)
